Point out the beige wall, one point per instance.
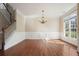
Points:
(20, 25)
(61, 25)
(34, 25)
(36, 30)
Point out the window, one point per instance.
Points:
(66, 28)
(71, 26)
(74, 27)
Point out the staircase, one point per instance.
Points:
(7, 19)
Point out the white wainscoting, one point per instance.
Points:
(70, 40)
(42, 35)
(13, 39)
(17, 37)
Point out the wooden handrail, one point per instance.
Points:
(3, 41)
(4, 28)
(8, 11)
(10, 16)
(6, 8)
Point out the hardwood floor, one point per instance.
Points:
(33, 47)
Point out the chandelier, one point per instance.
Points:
(43, 18)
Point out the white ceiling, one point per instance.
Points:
(51, 9)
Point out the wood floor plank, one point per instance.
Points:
(39, 47)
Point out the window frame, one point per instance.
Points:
(68, 18)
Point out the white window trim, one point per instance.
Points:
(69, 37)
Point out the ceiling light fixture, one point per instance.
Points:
(43, 19)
